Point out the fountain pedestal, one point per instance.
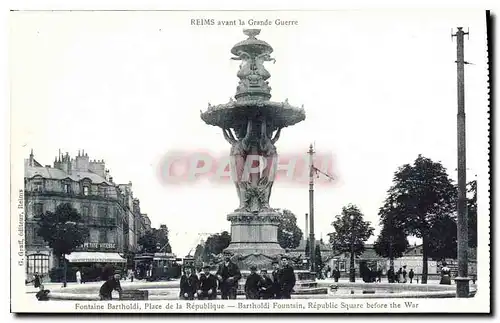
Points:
(254, 239)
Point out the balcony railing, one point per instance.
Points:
(101, 221)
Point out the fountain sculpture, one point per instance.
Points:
(252, 125)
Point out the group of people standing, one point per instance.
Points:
(400, 275)
(278, 285)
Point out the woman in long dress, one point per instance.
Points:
(445, 275)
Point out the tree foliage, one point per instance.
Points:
(472, 213)
(421, 196)
(155, 240)
(443, 238)
(215, 244)
(392, 240)
(350, 231)
(318, 261)
(62, 230)
(289, 234)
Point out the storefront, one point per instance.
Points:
(95, 265)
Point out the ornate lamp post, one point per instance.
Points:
(352, 270)
(65, 262)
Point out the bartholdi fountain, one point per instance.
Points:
(252, 125)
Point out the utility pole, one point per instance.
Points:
(313, 171)
(312, 241)
(462, 280)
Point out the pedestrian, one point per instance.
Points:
(265, 286)
(336, 274)
(276, 284)
(411, 274)
(113, 283)
(399, 275)
(36, 280)
(379, 276)
(42, 294)
(78, 277)
(189, 284)
(228, 275)
(286, 279)
(208, 285)
(445, 275)
(404, 274)
(252, 284)
(132, 276)
(390, 275)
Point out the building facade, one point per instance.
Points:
(107, 209)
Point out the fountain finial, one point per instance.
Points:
(251, 33)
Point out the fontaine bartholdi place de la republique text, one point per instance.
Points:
(318, 305)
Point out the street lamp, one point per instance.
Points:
(65, 262)
(352, 277)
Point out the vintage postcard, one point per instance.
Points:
(250, 161)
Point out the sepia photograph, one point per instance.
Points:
(250, 161)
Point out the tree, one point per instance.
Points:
(308, 248)
(63, 232)
(215, 244)
(155, 240)
(318, 261)
(472, 213)
(443, 238)
(289, 234)
(420, 194)
(392, 241)
(351, 233)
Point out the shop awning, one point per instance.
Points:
(111, 257)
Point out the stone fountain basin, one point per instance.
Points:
(170, 291)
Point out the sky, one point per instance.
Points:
(378, 88)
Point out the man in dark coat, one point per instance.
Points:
(286, 279)
(266, 288)
(411, 274)
(228, 275)
(276, 284)
(189, 284)
(390, 275)
(336, 274)
(208, 285)
(252, 284)
(107, 288)
(36, 280)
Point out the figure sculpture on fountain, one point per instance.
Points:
(239, 151)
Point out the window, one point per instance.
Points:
(37, 209)
(102, 191)
(38, 263)
(67, 188)
(94, 235)
(341, 265)
(102, 236)
(85, 212)
(36, 238)
(37, 186)
(102, 211)
(86, 190)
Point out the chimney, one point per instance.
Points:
(31, 163)
(307, 227)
